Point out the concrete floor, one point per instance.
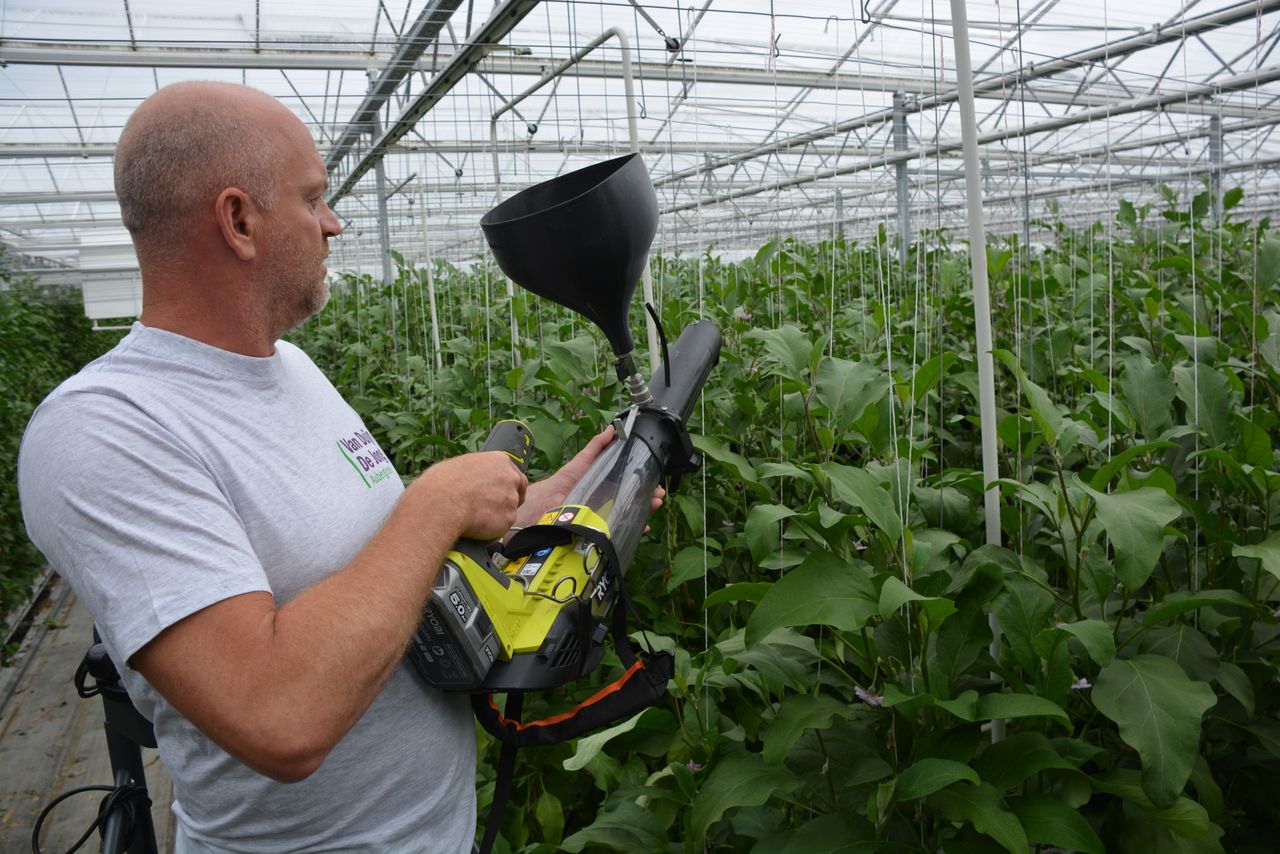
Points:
(52, 741)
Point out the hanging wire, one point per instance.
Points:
(1195, 353)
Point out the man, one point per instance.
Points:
(193, 486)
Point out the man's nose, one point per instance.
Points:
(329, 222)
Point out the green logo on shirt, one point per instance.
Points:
(365, 457)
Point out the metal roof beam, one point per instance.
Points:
(501, 22)
(1235, 13)
(1155, 102)
(533, 66)
(411, 47)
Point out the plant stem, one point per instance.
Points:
(826, 769)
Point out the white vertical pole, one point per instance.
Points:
(431, 281)
(646, 276)
(981, 299)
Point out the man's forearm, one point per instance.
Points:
(279, 687)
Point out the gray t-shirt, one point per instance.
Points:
(169, 475)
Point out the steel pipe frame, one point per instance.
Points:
(411, 46)
(1100, 185)
(921, 177)
(1257, 78)
(938, 201)
(501, 22)
(1066, 156)
(466, 235)
(1002, 82)
(161, 57)
(1112, 50)
(1011, 159)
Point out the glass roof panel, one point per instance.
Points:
(769, 118)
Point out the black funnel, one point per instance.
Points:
(581, 239)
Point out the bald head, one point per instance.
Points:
(182, 147)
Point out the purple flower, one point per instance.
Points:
(1080, 684)
(693, 767)
(868, 698)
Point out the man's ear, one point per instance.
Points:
(239, 221)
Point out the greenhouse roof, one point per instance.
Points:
(755, 118)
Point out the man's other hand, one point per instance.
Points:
(551, 491)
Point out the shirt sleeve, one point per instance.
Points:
(131, 517)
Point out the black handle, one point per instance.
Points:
(513, 438)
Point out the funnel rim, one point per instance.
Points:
(486, 222)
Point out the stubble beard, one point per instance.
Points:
(295, 280)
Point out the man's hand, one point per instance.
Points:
(552, 491)
(486, 487)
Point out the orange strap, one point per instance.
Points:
(611, 688)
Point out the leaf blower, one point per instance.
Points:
(534, 613)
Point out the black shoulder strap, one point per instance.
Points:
(642, 684)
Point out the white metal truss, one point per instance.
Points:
(802, 121)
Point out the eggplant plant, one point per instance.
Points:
(826, 581)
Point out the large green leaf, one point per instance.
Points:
(1268, 262)
(1048, 820)
(1046, 414)
(1148, 393)
(1254, 446)
(550, 815)
(1008, 763)
(590, 745)
(981, 806)
(963, 638)
(1145, 831)
(788, 348)
(1184, 817)
(796, 714)
(1001, 706)
(761, 528)
(1207, 394)
(858, 488)
(1267, 551)
(1108, 471)
(827, 834)
(1187, 600)
(1158, 711)
(738, 780)
(627, 828)
(824, 590)
(1183, 644)
(1024, 609)
(1135, 523)
(690, 563)
(928, 374)
(894, 594)
(929, 775)
(743, 591)
(1094, 635)
(720, 452)
(1236, 683)
(847, 388)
